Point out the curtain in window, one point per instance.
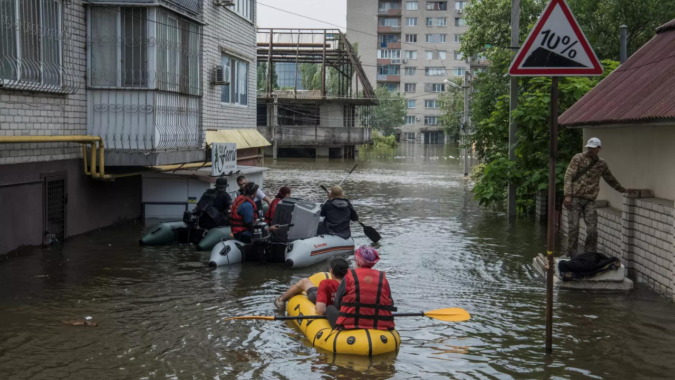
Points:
(242, 72)
(225, 90)
(31, 52)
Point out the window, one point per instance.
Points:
(409, 120)
(458, 38)
(243, 8)
(437, 87)
(459, 5)
(410, 87)
(388, 38)
(176, 43)
(431, 104)
(430, 21)
(409, 71)
(459, 56)
(459, 71)
(442, 21)
(436, 38)
(434, 71)
(412, 103)
(437, 5)
(389, 70)
(388, 54)
(391, 87)
(441, 55)
(411, 21)
(411, 54)
(430, 55)
(385, 7)
(30, 43)
(411, 38)
(389, 22)
(431, 120)
(460, 22)
(411, 5)
(236, 72)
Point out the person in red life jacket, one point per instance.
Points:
(284, 192)
(324, 295)
(244, 213)
(363, 300)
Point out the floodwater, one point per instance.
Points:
(160, 309)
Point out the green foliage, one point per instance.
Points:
(388, 116)
(262, 77)
(308, 71)
(452, 108)
(380, 141)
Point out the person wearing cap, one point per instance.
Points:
(323, 295)
(337, 213)
(582, 184)
(243, 214)
(284, 192)
(363, 299)
(213, 206)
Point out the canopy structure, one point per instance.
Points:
(244, 138)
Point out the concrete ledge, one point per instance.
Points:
(539, 264)
(152, 158)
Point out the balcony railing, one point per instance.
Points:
(308, 136)
(388, 78)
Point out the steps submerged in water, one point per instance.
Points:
(610, 280)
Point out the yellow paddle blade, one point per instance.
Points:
(250, 317)
(454, 314)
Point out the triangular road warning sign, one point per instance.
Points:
(556, 47)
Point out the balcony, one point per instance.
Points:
(313, 136)
(388, 29)
(389, 12)
(388, 78)
(188, 7)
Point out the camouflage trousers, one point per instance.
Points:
(586, 208)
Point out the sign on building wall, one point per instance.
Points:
(223, 158)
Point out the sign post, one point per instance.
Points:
(223, 158)
(555, 47)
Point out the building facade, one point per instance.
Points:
(95, 93)
(411, 47)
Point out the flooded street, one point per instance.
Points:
(160, 308)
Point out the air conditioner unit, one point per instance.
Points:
(459, 11)
(218, 77)
(417, 118)
(405, 61)
(223, 3)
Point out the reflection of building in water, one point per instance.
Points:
(287, 76)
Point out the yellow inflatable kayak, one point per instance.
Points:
(368, 342)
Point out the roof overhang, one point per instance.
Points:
(660, 123)
(244, 138)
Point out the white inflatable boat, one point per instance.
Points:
(297, 254)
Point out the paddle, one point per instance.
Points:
(453, 314)
(348, 174)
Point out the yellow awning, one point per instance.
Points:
(244, 138)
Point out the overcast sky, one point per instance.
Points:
(332, 11)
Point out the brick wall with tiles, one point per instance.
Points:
(25, 113)
(228, 32)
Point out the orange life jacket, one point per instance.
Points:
(236, 220)
(269, 215)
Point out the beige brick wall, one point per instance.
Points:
(24, 113)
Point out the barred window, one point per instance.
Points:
(120, 53)
(31, 41)
(235, 71)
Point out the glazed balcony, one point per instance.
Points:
(388, 78)
(388, 29)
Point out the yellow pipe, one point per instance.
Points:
(34, 139)
(166, 168)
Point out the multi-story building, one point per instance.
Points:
(94, 94)
(411, 47)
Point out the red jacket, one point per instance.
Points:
(367, 302)
(236, 220)
(269, 216)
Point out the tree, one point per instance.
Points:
(262, 77)
(388, 116)
(308, 71)
(452, 108)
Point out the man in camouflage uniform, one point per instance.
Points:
(582, 184)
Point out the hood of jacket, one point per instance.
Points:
(340, 203)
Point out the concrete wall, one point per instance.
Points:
(91, 204)
(362, 16)
(332, 115)
(24, 113)
(639, 157)
(238, 40)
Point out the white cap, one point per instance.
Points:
(594, 143)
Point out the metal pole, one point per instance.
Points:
(270, 71)
(323, 68)
(513, 127)
(275, 123)
(624, 43)
(466, 122)
(550, 242)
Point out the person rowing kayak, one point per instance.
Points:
(338, 212)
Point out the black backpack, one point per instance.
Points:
(587, 265)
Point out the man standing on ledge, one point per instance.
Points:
(582, 184)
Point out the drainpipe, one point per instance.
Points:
(624, 43)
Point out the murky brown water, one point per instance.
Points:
(160, 308)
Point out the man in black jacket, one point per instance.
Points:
(213, 206)
(338, 212)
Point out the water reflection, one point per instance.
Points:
(161, 308)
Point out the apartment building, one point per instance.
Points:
(94, 94)
(411, 47)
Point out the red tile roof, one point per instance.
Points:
(640, 90)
